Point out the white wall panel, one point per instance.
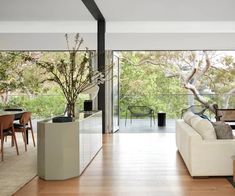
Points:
(42, 41)
(170, 41)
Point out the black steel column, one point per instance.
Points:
(101, 66)
(96, 13)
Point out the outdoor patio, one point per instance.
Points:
(143, 126)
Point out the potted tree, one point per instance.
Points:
(73, 74)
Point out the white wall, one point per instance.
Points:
(45, 35)
(171, 41)
(181, 35)
(43, 41)
(120, 35)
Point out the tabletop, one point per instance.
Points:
(17, 114)
(3, 113)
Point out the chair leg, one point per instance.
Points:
(25, 140)
(31, 128)
(27, 136)
(33, 137)
(12, 141)
(22, 135)
(14, 137)
(126, 118)
(2, 141)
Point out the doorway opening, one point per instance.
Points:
(158, 81)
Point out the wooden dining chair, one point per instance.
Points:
(7, 129)
(12, 110)
(25, 123)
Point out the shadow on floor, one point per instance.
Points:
(230, 179)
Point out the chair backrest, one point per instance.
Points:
(227, 115)
(140, 109)
(6, 121)
(25, 118)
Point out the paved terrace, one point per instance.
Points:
(143, 126)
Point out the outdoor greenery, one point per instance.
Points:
(44, 105)
(41, 106)
(146, 85)
(154, 79)
(25, 85)
(15, 75)
(73, 73)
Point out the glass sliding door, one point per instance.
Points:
(115, 93)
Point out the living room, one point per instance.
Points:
(126, 164)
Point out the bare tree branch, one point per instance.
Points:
(228, 95)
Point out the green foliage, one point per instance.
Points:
(154, 79)
(71, 71)
(147, 78)
(16, 76)
(146, 85)
(41, 106)
(10, 71)
(33, 83)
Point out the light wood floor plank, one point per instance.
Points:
(134, 164)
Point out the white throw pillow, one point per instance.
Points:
(204, 128)
(187, 117)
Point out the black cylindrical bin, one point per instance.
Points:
(161, 116)
(88, 105)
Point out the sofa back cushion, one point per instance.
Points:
(194, 118)
(203, 127)
(187, 117)
(223, 130)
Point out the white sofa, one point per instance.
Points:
(204, 157)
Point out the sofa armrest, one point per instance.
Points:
(211, 158)
(185, 136)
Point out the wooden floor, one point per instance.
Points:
(134, 164)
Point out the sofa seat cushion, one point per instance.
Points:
(204, 128)
(187, 117)
(223, 130)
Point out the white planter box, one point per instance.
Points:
(66, 149)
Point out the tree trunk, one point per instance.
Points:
(71, 109)
(227, 97)
(193, 78)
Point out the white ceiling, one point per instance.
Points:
(169, 24)
(43, 10)
(167, 10)
(131, 24)
(41, 24)
(119, 10)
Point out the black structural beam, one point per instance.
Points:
(93, 9)
(101, 67)
(96, 13)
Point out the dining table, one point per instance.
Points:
(17, 116)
